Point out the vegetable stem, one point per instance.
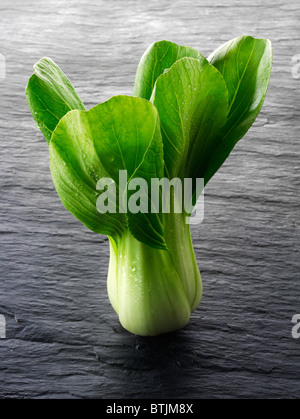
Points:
(154, 291)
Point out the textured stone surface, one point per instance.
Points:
(63, 338)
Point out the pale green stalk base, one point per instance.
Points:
(154, 291)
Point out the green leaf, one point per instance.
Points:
(129, 138)
(159, 57)
(76, 169)
(192, 103)
(50, 95)
(245, 64)
(121, 134)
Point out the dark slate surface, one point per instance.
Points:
(63, 338)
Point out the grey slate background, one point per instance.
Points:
(63, 338)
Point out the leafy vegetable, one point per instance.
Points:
(158, 58)
(50, 96)
(185, 117)
(88, 146)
